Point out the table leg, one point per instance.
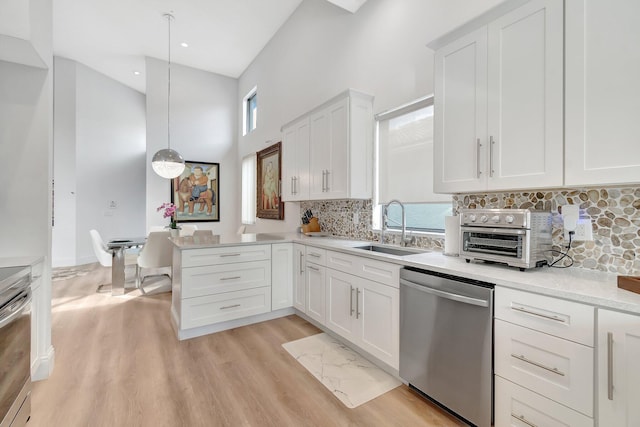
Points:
(117, 272)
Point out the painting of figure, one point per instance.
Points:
(269, 204)
(196, 192)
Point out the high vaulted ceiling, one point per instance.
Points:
(114, 36)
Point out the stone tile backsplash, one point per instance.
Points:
(614, 214)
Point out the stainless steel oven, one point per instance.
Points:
(15, 346)
(516, 237)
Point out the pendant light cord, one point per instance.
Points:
(169, 18)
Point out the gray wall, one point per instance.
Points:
(322, 50)
(203, 128)
(99, 158)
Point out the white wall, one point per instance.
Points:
(203, 128)
(322, 50)
(99, 157)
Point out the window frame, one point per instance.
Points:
(249, 118)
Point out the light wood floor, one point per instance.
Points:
(119, 363)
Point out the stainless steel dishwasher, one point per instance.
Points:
(446, 341)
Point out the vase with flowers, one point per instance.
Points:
(170, 212)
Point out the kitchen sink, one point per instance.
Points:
(390, 251)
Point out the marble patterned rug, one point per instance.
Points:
(350, 377)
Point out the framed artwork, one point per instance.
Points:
(196, 192)
(268, 189)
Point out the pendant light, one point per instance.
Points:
(168, 163)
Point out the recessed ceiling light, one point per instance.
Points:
(136, 73)
(184, 44)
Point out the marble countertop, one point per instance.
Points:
(575, 284)
(20, 261)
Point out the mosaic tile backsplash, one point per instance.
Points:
(614, 214)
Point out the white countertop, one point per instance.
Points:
(575, 284)
(20, 261)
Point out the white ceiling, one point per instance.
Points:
(114, 36)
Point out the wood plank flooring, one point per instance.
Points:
(119, 363)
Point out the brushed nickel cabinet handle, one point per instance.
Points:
(301, 263)
(539, 365)
(327, 186)
(228, 255)
(546, 316)
(478, 146)
(610, 365)
(491, 144)
(230, 278)
(351, 299)
(315, 255)
(523, 419)
(358, 303)
(313, 268)
(229, 306)
(293, 187)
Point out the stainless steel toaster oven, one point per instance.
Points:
(516, 237)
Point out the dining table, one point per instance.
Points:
(117, 247)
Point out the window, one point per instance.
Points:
(404, 159)
(250, 110)
(249, 189)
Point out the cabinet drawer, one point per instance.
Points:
(211, 309)
(558, 369)
(379, 271)
(518, 407)
(215, 279)
(316, 256)
(564, 319)
(225, 255)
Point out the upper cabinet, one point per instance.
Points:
(602, 128)
(499, 101)
(328, 152)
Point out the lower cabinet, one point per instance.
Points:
(299, 282)
(618, 368)
(315, 290)
(364, 312)
(281, 275)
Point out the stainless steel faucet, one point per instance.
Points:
(385, 217)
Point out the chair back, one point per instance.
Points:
(187, 229)
(157, 252)
(202, 233)
(100, 249)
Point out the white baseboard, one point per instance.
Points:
(42, 367)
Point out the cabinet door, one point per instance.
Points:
(315, 292)
(461, 114)
(281, 275)
(377, 309)
(602, 92)
(525, 98)
(299, 285)
(341, 291)
(337, 173)
(618, 368)
(295, 162)
(319, 134)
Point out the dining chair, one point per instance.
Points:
(187, 229)
(202, 233)
(105, 257)
(157, 253)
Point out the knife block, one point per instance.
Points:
(313, 226)
(629, 283)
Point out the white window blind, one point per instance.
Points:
(249, 189)
(405, 154)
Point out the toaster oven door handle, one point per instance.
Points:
(488, 230)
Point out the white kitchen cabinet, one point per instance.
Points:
(361, 310)
(295, 161)
(602, 92)
(281, 275)
(618, 368)
(544, 360)
(315, 285)
(299, 283)
(499, 103)
(341, 148)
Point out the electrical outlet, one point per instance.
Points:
(356, 217)
(583, 231)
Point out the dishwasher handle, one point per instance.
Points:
(448, 295)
